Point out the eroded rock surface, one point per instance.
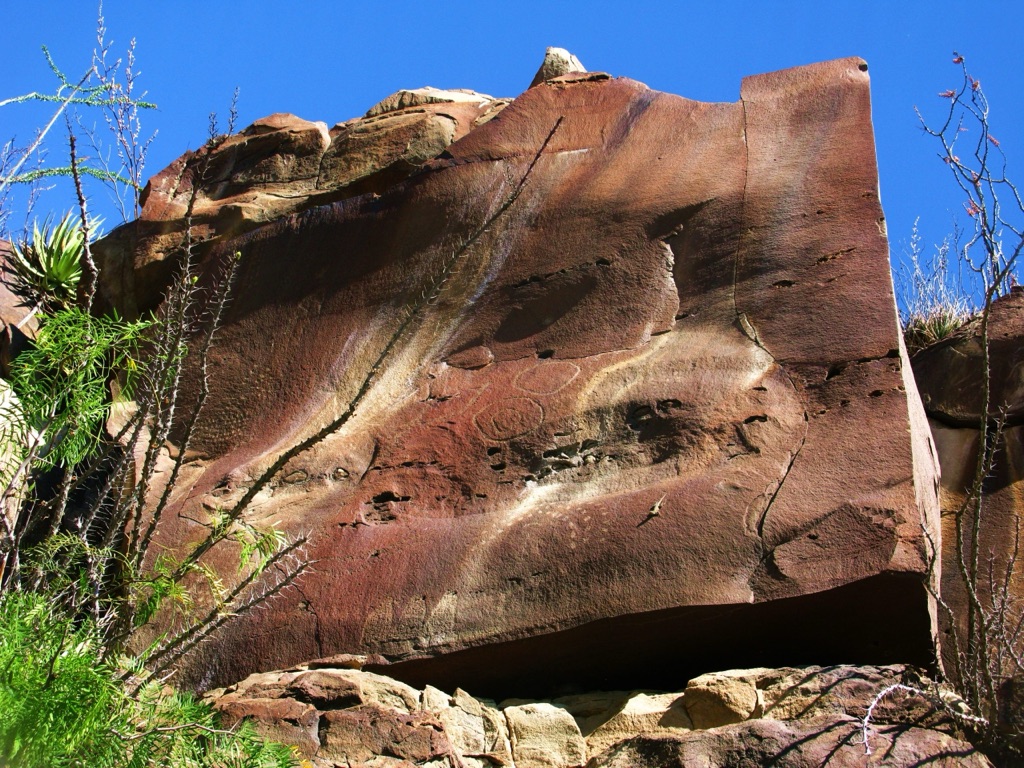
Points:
(627, 387)
(949, 376)
(279, 165)
(808, 716)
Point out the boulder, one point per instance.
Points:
(606, 718)
(608, 388)
(544, 736)
(557, 62)
(722, 699)
(476, 729)
(806, 717)
(800, 744)
(949, 372)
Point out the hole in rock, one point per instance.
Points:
(639, 416)
(386, 496)
(546, 353)
(879, 620)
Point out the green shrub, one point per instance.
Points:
(934, 301)
(46, 268)
(56, 697)
(62, 379)
(63, 705)
(81, 507)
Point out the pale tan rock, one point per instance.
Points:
(341, 718)
(544, 736)
(648, 714)
(722, 698)
(557, 62)
(331, 688)
(476, 731)
(434, 699)
(418, 97)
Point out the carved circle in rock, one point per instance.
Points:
(509, 418)
(548, 377)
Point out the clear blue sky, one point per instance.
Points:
(332, 60)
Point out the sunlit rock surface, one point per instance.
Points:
(651, 417)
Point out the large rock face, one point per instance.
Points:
(652, 419)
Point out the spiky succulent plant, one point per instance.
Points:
(46, 268)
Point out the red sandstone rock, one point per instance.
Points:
(17, 322)
(658, 405)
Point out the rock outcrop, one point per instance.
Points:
(808, 716)
(557, 62)
(279, 165)
(609, 393)
(949, 377)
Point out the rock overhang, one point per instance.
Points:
(661, 377)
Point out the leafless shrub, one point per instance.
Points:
(985, 638)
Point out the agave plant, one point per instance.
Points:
(47, 268)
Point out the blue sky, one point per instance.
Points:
(332, 60)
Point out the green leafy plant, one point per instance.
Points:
(84, 492)
(108, 86)
(54, 694)
(986, 642)
(63, 704)
(47, 267)
(62, 380)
